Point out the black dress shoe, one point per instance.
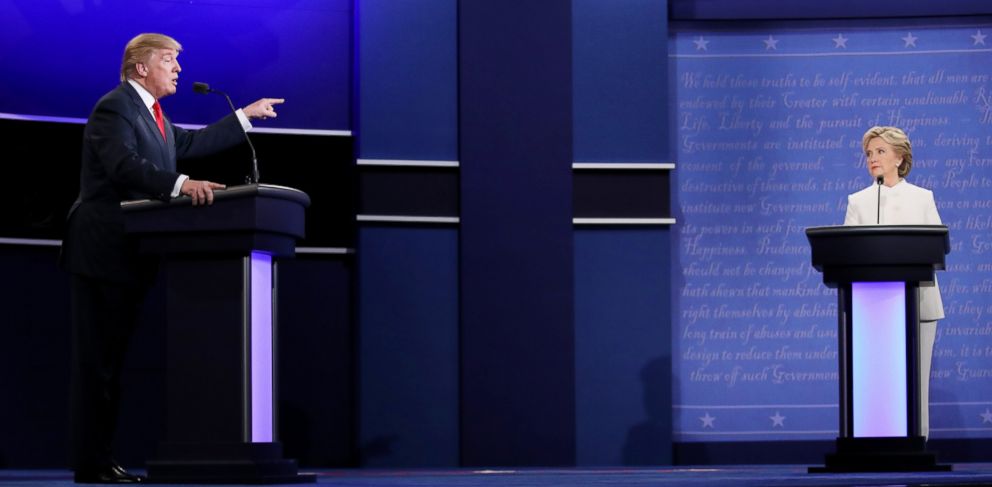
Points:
(110, 475)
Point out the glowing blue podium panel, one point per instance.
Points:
(878, 349)
(262, 410)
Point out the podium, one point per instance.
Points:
(877, 271)
(221, 330)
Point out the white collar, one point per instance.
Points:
(899, 184)
(143, 93)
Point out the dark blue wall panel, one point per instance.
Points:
(623, 347)
(407, 79)
(34, 357)
(620, 66)
(408, 347)
(515, 138)
(317, 359)
(622, 275)
(408, 276)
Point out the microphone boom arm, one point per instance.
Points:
(204, 88)
(878, 205)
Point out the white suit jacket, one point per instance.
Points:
(902, 204)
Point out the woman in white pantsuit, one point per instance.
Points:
(889, 154)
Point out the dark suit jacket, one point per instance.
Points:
(124, 157)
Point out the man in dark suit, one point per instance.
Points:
(129, 151)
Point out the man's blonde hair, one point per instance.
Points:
(140, 49)
(899, 141)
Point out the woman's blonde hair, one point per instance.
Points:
(899, 141)
(140, 49)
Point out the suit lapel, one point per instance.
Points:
(165, 145)
(170, 145)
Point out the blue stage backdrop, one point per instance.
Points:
(768, 136)
(58, 58)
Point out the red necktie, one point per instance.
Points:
(158, 118)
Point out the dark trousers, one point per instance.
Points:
(104, 316)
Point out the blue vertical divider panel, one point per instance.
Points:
(623, 347)
(516, 235)
(622, 275)
(406, 55)
(408, 347)
(408, 276)
(620, 80)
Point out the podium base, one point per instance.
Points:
(224, 463)
(903, 454)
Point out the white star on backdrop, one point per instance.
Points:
(777, 420)
(840, 41)
(979, 38)
(986, 416)
(701, 43)
(910, 40)
(707, 420)
(771, 43)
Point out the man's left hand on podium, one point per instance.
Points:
(201, 192)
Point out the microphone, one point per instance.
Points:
(203, 88)
(878, 209)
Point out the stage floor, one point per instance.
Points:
(964, 474)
